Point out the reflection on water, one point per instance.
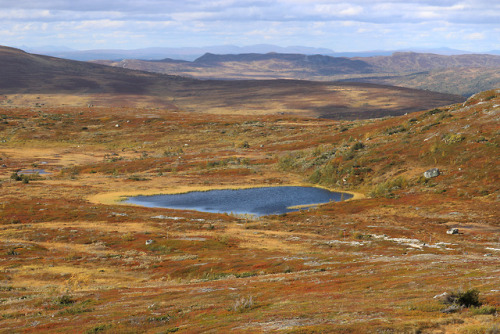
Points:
(255, 201)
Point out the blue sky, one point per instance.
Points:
(354, 25)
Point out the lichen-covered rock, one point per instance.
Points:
(433, 172)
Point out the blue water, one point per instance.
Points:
(32, 171)
(255, 201)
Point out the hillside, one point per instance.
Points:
(417, 62)
(74, 258)
(459, 74)
(35, 80)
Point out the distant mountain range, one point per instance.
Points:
(464, 74)
(42, 81)
(191, 53)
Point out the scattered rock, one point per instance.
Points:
(433, 172)
(441, 296)
(149, 241)
(118, 214)
(452, 231)
(166, 217)
(488, 254)
(451, 309)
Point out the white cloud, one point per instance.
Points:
(338, 24)
(475, 36)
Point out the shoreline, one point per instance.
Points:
(117, 197)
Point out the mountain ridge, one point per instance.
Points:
(191, 53)
(29, 79)
(399, 69)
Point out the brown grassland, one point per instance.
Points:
(463, 74)
(73, 259)
(37, 81)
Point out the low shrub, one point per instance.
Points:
(485, 309)
(243, 304)
(452, 138)
(433, 112)
(386, 189)
(464, 298)
(65, 300)
(98, 328)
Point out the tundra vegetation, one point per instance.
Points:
(73, 258)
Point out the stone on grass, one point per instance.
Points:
(433, 172)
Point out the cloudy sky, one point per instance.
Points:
(354, 25)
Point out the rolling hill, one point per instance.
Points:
(28, 79)
(455, 74)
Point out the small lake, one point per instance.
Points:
(254, 201)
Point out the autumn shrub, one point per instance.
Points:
(468, 298)
(464, 298)
(243, 304)
(24, 177)
(65, 300)
(289, 161)
(480, 329)
(485, 309)
(433, 112)
(395, 129)
(452, 138)
(386, 189)
(98, 328)
(357, 146)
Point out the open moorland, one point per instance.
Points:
(34, 80)
(408, 254)
(73, 258)
(461, 74)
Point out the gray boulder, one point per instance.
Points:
(433, 172)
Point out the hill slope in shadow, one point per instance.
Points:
(28, 79)
(459, 74)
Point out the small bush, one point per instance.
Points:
(468, 298)
(464, 298)
(485, 309)
(452, 138)
(395, 129)
(480, 329)
(434, 111)
(65, 300)
(16, 177)
(358, 146)
(386, 189)
(243, 304)
(98, 328)
(137, 178)
(128, 237)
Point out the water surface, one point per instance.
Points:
(255, 201)
(32, 171)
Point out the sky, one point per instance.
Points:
(354, 25)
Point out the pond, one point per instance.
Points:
(32, 171)
(254, 201)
